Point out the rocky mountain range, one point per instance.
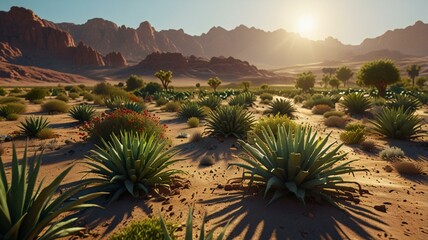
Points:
(277, 48)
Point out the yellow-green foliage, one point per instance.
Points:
(55, 106)
(172, 107)
(148, 229)
(320, 109)
(193, 122)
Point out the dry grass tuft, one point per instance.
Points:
(408, 168)
(196, 137)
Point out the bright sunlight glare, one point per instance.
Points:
(305, 25)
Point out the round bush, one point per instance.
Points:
(193, 122)
(73, 95)
(335, 121)
(266, 96)
(36, 93)
(12, 117)
(333, 113)
(62, 97)
(321, 109)
(55, 106)
(122, 120)
(172, 107)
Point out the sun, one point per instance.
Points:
(305, 25)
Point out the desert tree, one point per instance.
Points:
(328, 70)
(305, 81)
(334, 82)
(214, 82)
(165, 77)
(264, 86)
(134, 82)
(343, 74)
(413, 71)
(378, 74)
(246, 86)
(325, 80)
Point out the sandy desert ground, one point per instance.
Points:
(207, 188)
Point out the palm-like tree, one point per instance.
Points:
(413, 72)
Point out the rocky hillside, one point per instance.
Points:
(227, 68)
(27, 39)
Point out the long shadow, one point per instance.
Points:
(69, 152)
(412, 149)
(112, 214)
(219, 149)
(289, 219)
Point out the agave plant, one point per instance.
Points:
(229, 121)
(210, 101)
(133, 106)
(406, 102)
(281, 107)
(29, 210)
(356, 103)
(189, 229)
(244, 99)
(299, 163)
(114, 102)
(132, 163)
(33, 125)
(82, 113)
(398, 123)
(191, 109)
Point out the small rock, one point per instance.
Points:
(388, 168)
(68, 142)
(380, 208)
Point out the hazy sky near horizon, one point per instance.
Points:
(350, 21)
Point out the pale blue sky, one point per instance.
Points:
(351, 21)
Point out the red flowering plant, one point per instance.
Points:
(122, 120)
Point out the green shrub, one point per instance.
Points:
(398, 124)
(172, 107)
(193, 122)
(29, 208)
(58, 90)
(98, 100)
(46, 133)
(62, 97)
(73, 89)
(148, 229)
(149, 90)
(266, 96)
(355, 126)
(161, 101)
(33, 125)
(82, 113)
(131, 163)
(406, 102)
(12, 117)
(317, 100)
(36, 94)
(297, 162)
(37, 101)
(134, 82)
(356, 103)
(11, 108)
(281, 107)
(16, 90)
(210, 101)
(123, 120)
(391, 153)
(108, 90)
(272, 122)
(335, 121)
(245, 99)
(55, 106)
(191, 109)
(2, 92)
(333, 113)
(378, 101)
(74, 95)
(229, 121)
(4, 100)
(320, 109)
(354, 136)
(88, 96)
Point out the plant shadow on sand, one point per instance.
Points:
(224, 149)
(289, 219)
